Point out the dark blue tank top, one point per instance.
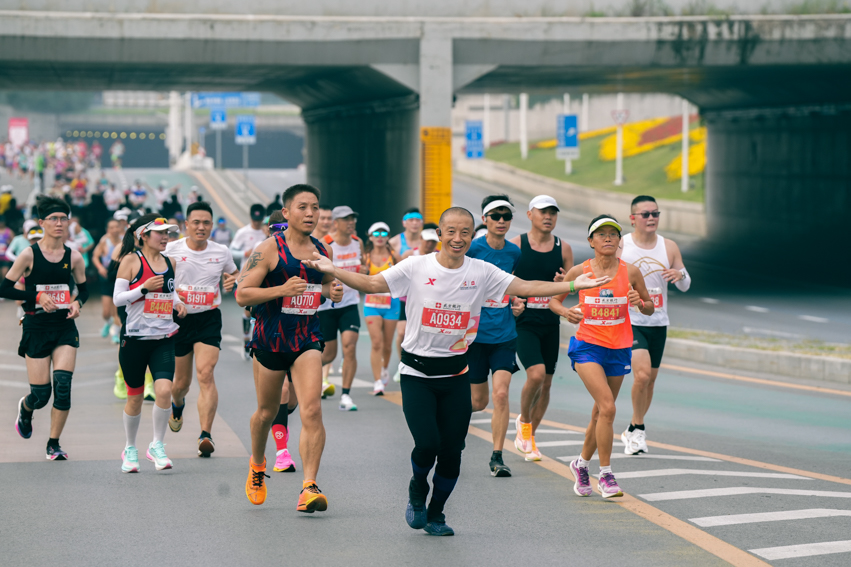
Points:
(281, 332)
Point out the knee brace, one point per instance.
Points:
(62, 389)
(39, 396)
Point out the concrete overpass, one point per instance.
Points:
(774, 89)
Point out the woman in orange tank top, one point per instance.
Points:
(601, 351)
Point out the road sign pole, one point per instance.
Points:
(568, 163)
(218, 149)
(245, 164)
(486, 122)
(524, 139)
(684, 181)
(619, 151)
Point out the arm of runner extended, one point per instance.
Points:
(360, 282)
(264, 259)
(534, 288)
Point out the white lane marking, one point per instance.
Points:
(18, 367)
(646, 456)
(710, 300)
(736, 519)
(568, 443)
(563, 431)
(813, 319)
(482, 420)
(770, 332)
(231, 339)
(738, 491)
(756, 309)
(804, 550)
(674, 472)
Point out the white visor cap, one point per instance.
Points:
(543, 202)
(497, 204)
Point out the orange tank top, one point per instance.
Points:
(606, 311)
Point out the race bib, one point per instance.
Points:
(656, 296)
(497, 303)
(352, 264)
(198, 297)
(158, 306)
(378, 300)
(605, 311)
(538, 303)
(445, 318)
(305, 304)
(60, 293)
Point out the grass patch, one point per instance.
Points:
(811, 347)
(644, 174)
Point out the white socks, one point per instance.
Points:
(131, 428)
(582, 462)
(604, 470)
(160, 416)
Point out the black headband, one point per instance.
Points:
(57, 208)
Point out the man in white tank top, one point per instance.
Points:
(661, 263)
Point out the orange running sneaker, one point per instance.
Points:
(523, 441)
(534, 454)
(255, 486)
(311, 498)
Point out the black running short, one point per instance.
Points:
(204, 327)
(651, 339)
(343, 319)
(107, 285)
(136, 356)
(282, 361)
(483, 358)
(538, 345)
(40, 342)
(402, 315)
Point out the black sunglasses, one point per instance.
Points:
(501, 216)
(647, 215)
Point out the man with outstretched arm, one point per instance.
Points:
(446, 292)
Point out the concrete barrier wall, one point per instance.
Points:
(678, 216)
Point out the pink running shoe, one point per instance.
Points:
(284, 463)
(582, 486)
(609, 486)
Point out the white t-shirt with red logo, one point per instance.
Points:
(444, 305)
(198, 274)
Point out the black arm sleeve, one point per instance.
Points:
(82, 293)
(8, 291)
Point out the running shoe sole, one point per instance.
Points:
(609, 495)
(290, 468)
(134, 468)
(531, 457)
(627, 445)
(436, 529)
(18, 419)
(206, 447)
(175, 424)
(501, 472)
(60, 456)
(574, 469)
(317, 504)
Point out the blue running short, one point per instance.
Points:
(391, 314)
(615, 361)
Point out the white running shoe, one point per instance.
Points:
(346, 403)
(156, 454)
(629, 447)
(378, 388)
(385, 376)
(639, 440)
(398, 376)
(523, 444)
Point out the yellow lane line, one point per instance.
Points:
(757, 380)
(688, 532)
(233, 218)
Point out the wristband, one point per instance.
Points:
(572, 288)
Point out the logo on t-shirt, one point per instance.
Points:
(472, 285)
(430, 281)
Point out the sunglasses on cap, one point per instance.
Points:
(647, 214)
(380, 233)
(500, 216)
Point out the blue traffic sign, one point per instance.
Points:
(475, 139)
(246, 131)
(225, 100)
(218, 119)
(567, 137)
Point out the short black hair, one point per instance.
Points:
(277, 217)
(199, 206)
(430, 225)
(325, 207)
(292, 192)
(480, 227)
(411, 210)
(47, 204)
(457, 210)
(491, 198)
(595, 219)
(642, 199)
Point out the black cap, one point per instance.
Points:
(258, 212)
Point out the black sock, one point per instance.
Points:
(497, 453)
(346, 391)
(640, 427)
(283, 416)
(53, 443)
(205, 434)
(631, 428)
(177, 411)
(440, 494)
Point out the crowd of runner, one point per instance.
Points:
(460, 309)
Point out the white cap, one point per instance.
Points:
(480, 233)
(542, 202)
(605, 221)
(121, 214)
(28, 224)
(150, 227)
(430, 234)
(6, 189)
(375, 226)
(497, 204)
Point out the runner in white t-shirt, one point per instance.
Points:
(446, 292)
(243, 243)
(200, 265)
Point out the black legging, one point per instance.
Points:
(136, 356)
(438, 414)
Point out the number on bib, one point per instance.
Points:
(445, 318)
(378, 300)
(538, 303)
(605, 311)
(60, 293)
(158, 306)
(304, 304)
(197, 297)
(656, 296)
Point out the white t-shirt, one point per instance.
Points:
(198, 274)
(444, 305)
(246, 238)
(345, 258)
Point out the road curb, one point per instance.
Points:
(770, 363)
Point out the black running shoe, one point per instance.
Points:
(24, 422)
(55, 453)
(498, 468)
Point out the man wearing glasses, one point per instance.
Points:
(49, 332)
(661, 263)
